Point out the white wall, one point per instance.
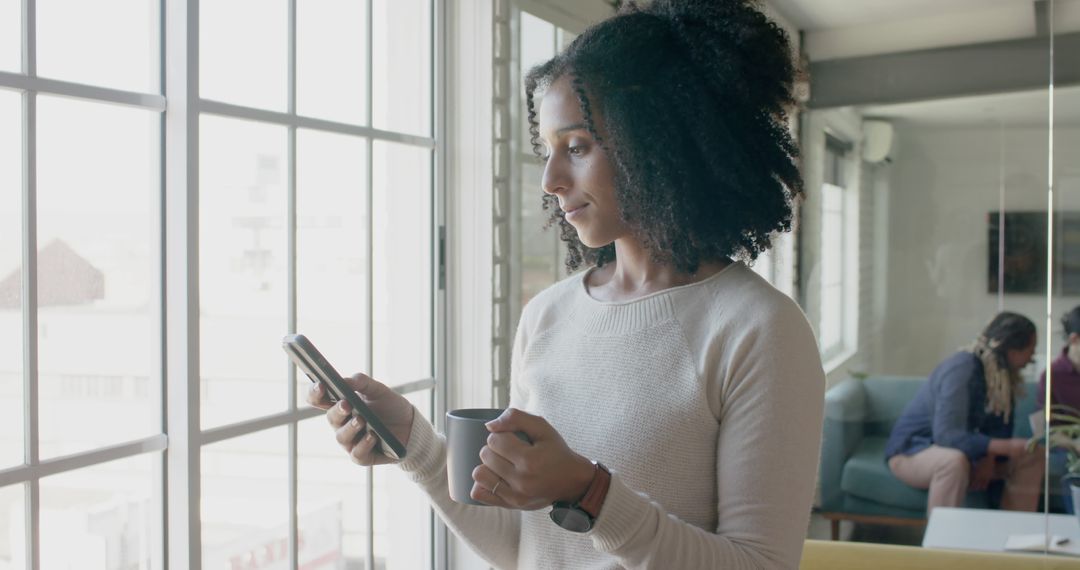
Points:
(941, 191)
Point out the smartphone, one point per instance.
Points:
(308, 358)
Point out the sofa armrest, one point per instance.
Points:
(845, 414)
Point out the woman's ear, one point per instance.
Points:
(1074, 338)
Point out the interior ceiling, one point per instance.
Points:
(1020, 109)
(1027, 109)
(825, 14)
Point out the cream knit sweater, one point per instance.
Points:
(704, 400)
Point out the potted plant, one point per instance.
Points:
(1064, 436)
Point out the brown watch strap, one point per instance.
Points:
(597, 491)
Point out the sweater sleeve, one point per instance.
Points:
(951, 410)
(492, 532)
(767, 455)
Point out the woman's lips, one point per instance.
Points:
(571, 214)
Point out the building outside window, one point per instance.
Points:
(313, 153)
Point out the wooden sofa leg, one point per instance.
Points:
(835, 524)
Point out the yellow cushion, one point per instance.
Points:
(838, 555)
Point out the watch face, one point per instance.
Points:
(571, 519)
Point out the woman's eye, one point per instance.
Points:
(576, 150)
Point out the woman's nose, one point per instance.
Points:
(554, 179)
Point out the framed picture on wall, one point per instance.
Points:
(1020, 265)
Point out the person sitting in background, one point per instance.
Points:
(956, 434)
(1064, 390)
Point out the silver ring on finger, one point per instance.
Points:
(495, 489)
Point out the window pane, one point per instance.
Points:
(537, 46)
(243, 264)
(565, 38)
(112, 44)
(105, 516)
(11, 35)
(537, 41)
(332, 500)
(831, 317)
(11, 338)
(402, 513)
(98, 268)
(403, 257)
(12, 527)
(331, 249)
(832, 198)
(331, 60)
(541, 261)
(251, 70)
(832, 248)
(401, 72)
(245, 502)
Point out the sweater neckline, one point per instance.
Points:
(583, 288)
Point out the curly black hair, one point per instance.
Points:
(694, 95)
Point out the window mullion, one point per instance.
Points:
(183, 539)
(294, 531)
(30, 352)
(370, 191)
(439, 392)
(32, 502)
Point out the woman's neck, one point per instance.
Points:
(634, 274)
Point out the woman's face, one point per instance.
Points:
(577, 170)
(1021, 357)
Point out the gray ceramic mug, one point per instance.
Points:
(466, 435)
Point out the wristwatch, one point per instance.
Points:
(580, 515)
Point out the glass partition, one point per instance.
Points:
(939, 247)
(908, 255)
(1062, 386)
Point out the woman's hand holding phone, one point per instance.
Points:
(351, 432)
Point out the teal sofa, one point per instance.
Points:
(855, 480)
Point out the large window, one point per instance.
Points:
(540, 253)
(839, 301)
(310, 168)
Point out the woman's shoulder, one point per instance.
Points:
(958, 366)
(560, 289)
(738, 294)
(554, 297)
(739, 309)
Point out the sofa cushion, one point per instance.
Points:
(866, 475)
(886, 397)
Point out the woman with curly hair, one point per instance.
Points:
(673, 398)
